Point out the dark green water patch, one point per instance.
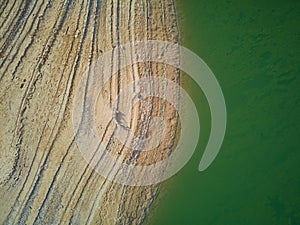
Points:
(253, 48)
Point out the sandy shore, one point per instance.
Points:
(45, 48)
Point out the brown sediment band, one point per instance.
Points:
(45, 47)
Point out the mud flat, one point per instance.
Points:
(45, 48)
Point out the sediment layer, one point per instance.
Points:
(45, 48)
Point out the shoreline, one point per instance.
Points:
(46, 47)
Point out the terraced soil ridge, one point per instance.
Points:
(45, 48)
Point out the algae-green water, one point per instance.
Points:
(253, 48)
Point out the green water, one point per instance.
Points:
(253, 48)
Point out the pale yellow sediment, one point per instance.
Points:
(45, 48)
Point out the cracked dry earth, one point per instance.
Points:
(45, 48)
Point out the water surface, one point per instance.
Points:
(253, 48)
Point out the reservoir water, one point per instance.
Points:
(253, 48)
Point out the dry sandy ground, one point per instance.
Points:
(45, 48)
